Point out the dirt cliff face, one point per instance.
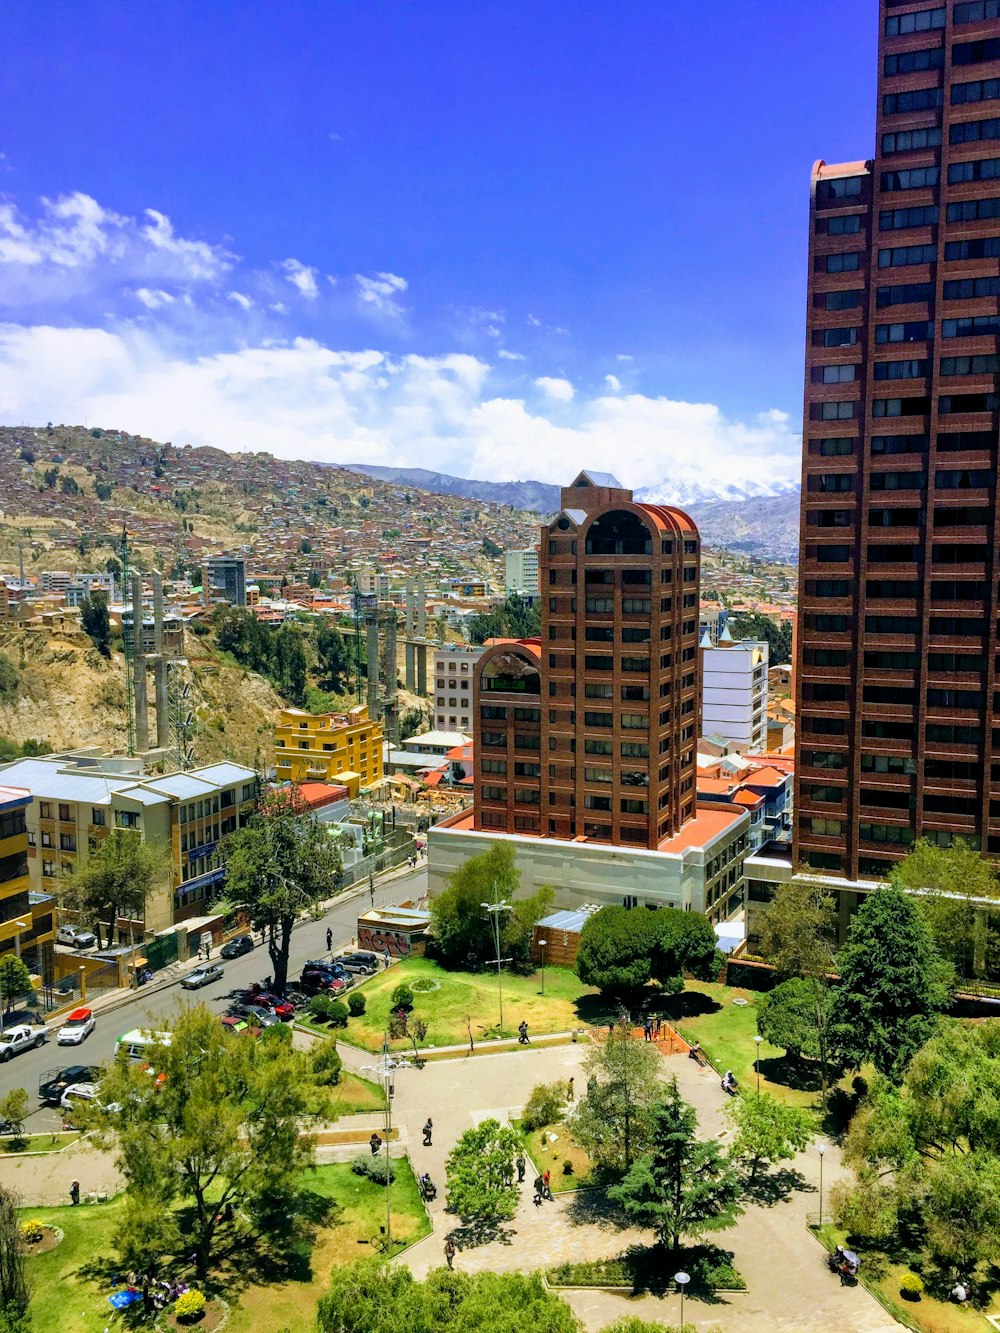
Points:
(70, 696)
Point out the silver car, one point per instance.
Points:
(203, 976)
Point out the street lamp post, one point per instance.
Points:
(19, 926)
(493, 910)
(821, 1149)
(758, 1039)
(385, 1070)
(682, 1279)
(541, 945)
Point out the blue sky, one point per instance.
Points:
(494, 238)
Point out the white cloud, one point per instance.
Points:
(198, 259)
(380, 291)
(302, 277)
(240, 299)
(71, 232)
(154, 299)
(559, 389)
(624, 356)
(505, 354)
(613, 383)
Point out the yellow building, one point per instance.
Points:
(324, 747)
(27, 920)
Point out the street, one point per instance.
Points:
(149, 1009)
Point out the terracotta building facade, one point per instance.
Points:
(898, 733)
(589, 731)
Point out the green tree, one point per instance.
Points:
(952, 884)
(15, 979)
(49, 477)
(68, 486)
(892, 985)
(797, 936)
(616, 949)
(680, 1187)
(116, 880)
(786, 1017)
(512, 618)
(15, 1289)
(103, 490)
(282, 863)
(479, 1174)
(371, 1296)
(14, 1111)
(777, 635)
(218, 1130)
(685, 942)
(10, 678)
(613, 1121)
(334, 665)
(545, 1105)
(463, 935)
(95, 621)
(490, 549)
(766, 1130)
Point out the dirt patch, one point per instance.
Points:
(51, 1237)
(216, 1316)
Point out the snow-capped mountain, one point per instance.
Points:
(696, 488)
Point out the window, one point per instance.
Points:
(637, 605)
(907, 141)
(975, 53)
(635, 722)
(592, 691)
(917, 99)
(127, 819)
(972, 131)
(980, 247)
(983, 169)
(892, 624)
(48, 869)
(631, 806)
(97, 817)
(491, 793)
(600, 605)
(597, 802)
(824, 759)
(923, 20)
(598, 747)
(846, 187)
(527, 796)
(895, 219)
(898, 444)
(494, 765)
(597, 775)
(618, 532)
(902, 255)
(46, 838)
(635, 750)
(843, 263)
(974, 10)
(637, 635)
(967, 402)
(972, 210)
(826, 828)
(980, 90)
(594, 663)
(599, 719)
(958, 440)
(64, 813)
(986, 364)
(900, 407)
(906, 293)
(846, 337)
(840, 300)
(833, 411)
(833, 374)
(913, 62)
(848, 224)
(912, 178)
(918, 330)
(971, 326)
(901, 370)
(828, 587)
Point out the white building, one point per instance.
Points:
(734, 692)
(453, 670)
(521, 572)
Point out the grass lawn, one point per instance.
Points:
(566, 1004)
(354, 1093)
(66, 1297)
(706, 1012)
(881, 1276)
(37, 1143)
(552, 1156)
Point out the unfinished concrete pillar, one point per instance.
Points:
(161, 701)
(422, 669)
(139, 669)
(421, 611)
(410, 664)
(157, 612)
(410, 608)
(371, 625)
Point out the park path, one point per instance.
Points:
(789, 1287)
(44, 1180)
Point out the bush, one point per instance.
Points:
(189, 1306)
(911, 1285)
(319, 1007)
(402, 997)
(544, 1106)
(32, 1230)
(378, 1168)
(356, 1004)
(567, 1167)
(327, 1065)
(361, 1163)
(337, 1013)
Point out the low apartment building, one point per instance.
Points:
(76, 799)
(27, 920)
(322, 747)
(453, 673)
(734, 691)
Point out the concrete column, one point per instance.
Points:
(422, 669)
(410, 608)
(161, 701)
(390, 666)
(139, 669)
(421, 613)
(157, 611)
(410, 673)
(373, 682)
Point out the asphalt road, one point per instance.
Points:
(148, 1009)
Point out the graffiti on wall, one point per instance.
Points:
(397, 942)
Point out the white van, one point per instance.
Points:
(136, 1044)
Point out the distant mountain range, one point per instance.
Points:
(752, 518)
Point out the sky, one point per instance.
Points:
(499, 239)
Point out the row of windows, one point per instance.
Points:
(849, 262)
(970, 326)
(912, 178)
(893, 219)
(979, 169)
(974, 131)
(913, 62)
(972, 11)
(919, 330)
(970, 365)
(847, 224)
(906, 141)
(844, 337)
(979, 90)
(901, 370)
(922, 20)
(899, 256)
(906, 293)
(973, 210)
(975, 53)
(917, 99)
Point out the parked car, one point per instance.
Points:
(77, 1028)
(237, 947)
(203, 976)
(359, 961)
(54, 1082)
(335, 969)
(21, 1037)
(314, 982)
(239, 1025)
(278, 1004)
(77, 937)
(256, 1014)
(78, 1092)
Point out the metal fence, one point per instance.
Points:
(161, 951)
(387, 859)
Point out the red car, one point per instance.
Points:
(284, 1009)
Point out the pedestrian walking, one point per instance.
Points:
(656, 1028)
(74, 1193)
(388, 958)
(374, 1143)
(522, 1033)
(329, 940)
(647, 1030)
(547, 1185)
(428, 1131)
(570, 1091)
(371, 888)
(449, 1252)
(522, 1167)
(539, 1191)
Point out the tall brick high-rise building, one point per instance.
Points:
(898, 722)
(590, 731)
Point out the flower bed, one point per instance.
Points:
(649, 1268)
(214, 1318)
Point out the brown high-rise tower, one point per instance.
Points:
(590, 731)
(898, 734)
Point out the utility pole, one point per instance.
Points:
(493, 910)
